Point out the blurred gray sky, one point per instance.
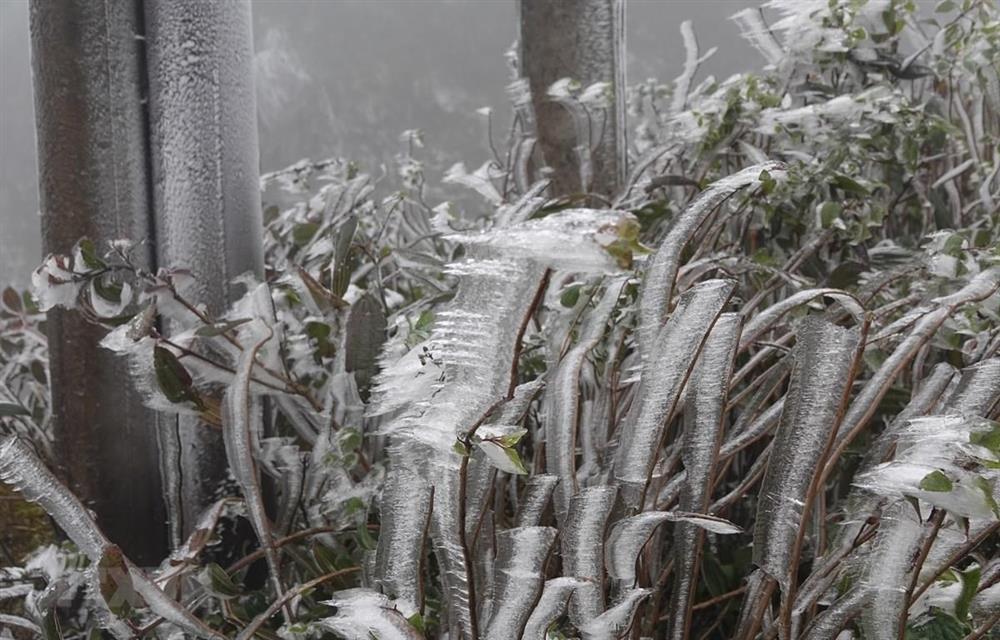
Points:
(345, 77)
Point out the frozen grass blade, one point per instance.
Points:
(583, 550)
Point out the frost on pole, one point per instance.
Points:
(203, 144)
(582, 41)
(93, 182)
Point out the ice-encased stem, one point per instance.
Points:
(550, 606)
(658, 282)
(583, 550)
(825, 357)
(21, 469)
(518, 577)
(563, 401)
(703, 422)
(663, 376)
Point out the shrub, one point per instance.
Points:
(751, 396)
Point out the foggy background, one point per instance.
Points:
(346, 77)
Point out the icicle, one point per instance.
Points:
(703, 413)
(664, 373)
(550, 606)
(824, 359)
(888, 570)
(658, 283)
(363, 614)
(563, 400)
(583, 550)
(521, 556)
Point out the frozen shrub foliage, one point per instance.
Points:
(752, 395)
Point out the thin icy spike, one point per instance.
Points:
(363, 614)
(241, 428)
(658, 283)
(518, 577)
(824, 358)
(563, 401)
(535, 499)
(663, 377)
(550, 606)
(583, 550)
(703, 412)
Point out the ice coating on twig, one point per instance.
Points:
(824, 358)
(536, 497)
(518, 577)
(664, 374)
(22, 470)
(703, 412)
(583, 550)
(363, 614)
(978, 389)
(241, 428)
(563, 400)
(763, 320)
(658, 282)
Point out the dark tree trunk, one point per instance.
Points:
(582, 40)
(92, 168)
(206, 193)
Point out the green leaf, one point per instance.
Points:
(174, 380)
(89, 254)
(936, 625)
(828, 212)
(970, 584)
(8, 409)
(849, 185)
(570, 296)
(217, 581)
(936, 481)
(460, 448)
(303, 233)
(515, 460)
(944, 7)
(983, 485)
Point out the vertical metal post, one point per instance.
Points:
(92, 174)
(582, 40)
(205, 176)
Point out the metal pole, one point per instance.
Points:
(92, 168)
(206, 194)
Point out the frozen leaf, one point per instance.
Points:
(550, 606)
(536, 498)
(610, 624)
(626, 540)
